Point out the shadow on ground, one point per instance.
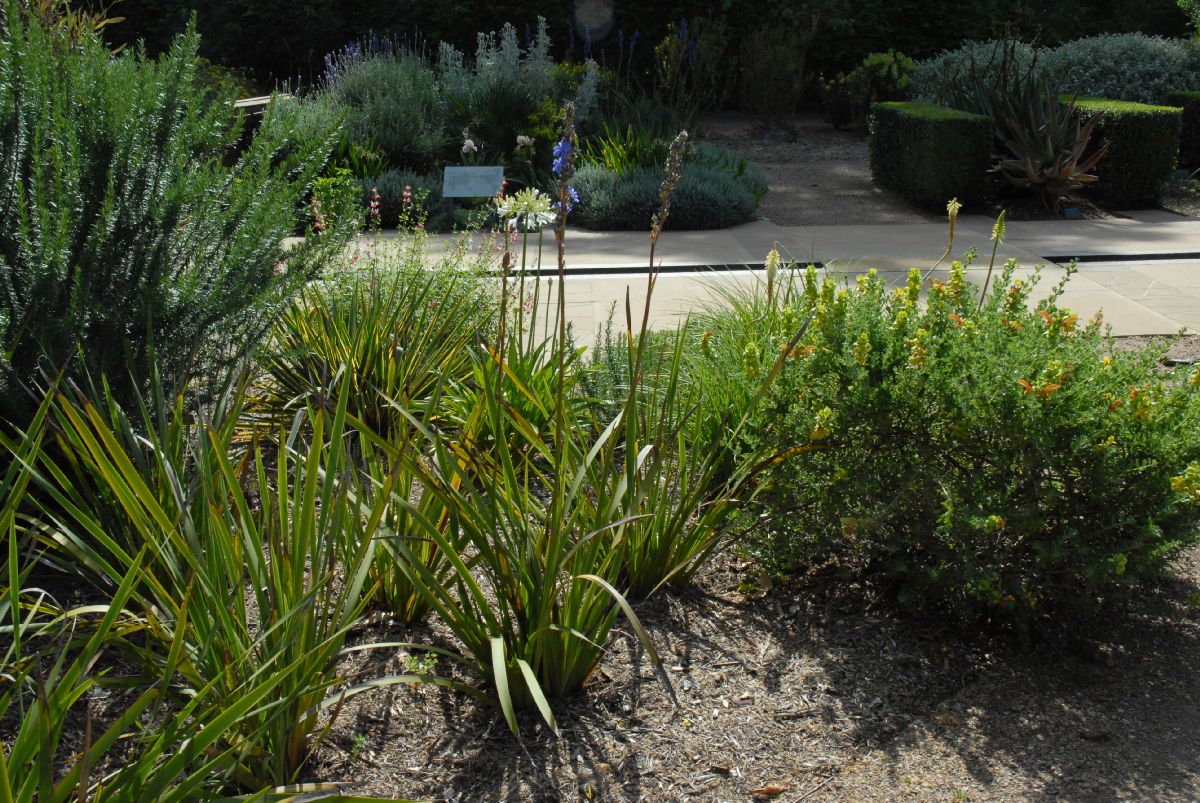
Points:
(824, 691)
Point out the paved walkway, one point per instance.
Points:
(1142, 271)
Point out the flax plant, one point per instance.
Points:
(256, 561)
(52, 663)
(393, 334)
(548, 525)
(680, 493)
(530, 592)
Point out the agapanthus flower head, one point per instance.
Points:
(529, 207)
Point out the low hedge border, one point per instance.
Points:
(1189, 139)
(1143, 142)
(929, 153)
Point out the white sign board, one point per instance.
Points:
(472, 182)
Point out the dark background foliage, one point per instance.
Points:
(279, 40)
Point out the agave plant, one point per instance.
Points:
(1046, 142)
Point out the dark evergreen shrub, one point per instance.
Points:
(1143, 143)
(930, 154)
(1189, 138)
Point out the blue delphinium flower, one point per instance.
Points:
(572, 199)
(683, 30)
(633, 41)
(561, 151)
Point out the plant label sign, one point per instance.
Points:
(472, 182)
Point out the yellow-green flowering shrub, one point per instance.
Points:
(999, 460)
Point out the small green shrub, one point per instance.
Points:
(749, 174)
(1189, 137)
(706, 198)
(880, 77)
(390, 333)
(988, 459)
(336, 202)
(238, 596)
(930, 154)
(622, 150)
(492, 97)
(1142, 141)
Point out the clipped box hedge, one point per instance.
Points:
(930, 154)
(1143, 142)
(1189, 139)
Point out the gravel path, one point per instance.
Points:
(817, 176)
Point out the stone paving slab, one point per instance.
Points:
(1153, 296)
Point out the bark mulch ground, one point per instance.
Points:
(818, 691)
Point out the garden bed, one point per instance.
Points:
(820, 691)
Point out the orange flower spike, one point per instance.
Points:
(1025, 383)
(958, 319)
(1046, 317)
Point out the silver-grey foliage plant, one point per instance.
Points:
(1128, 66)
